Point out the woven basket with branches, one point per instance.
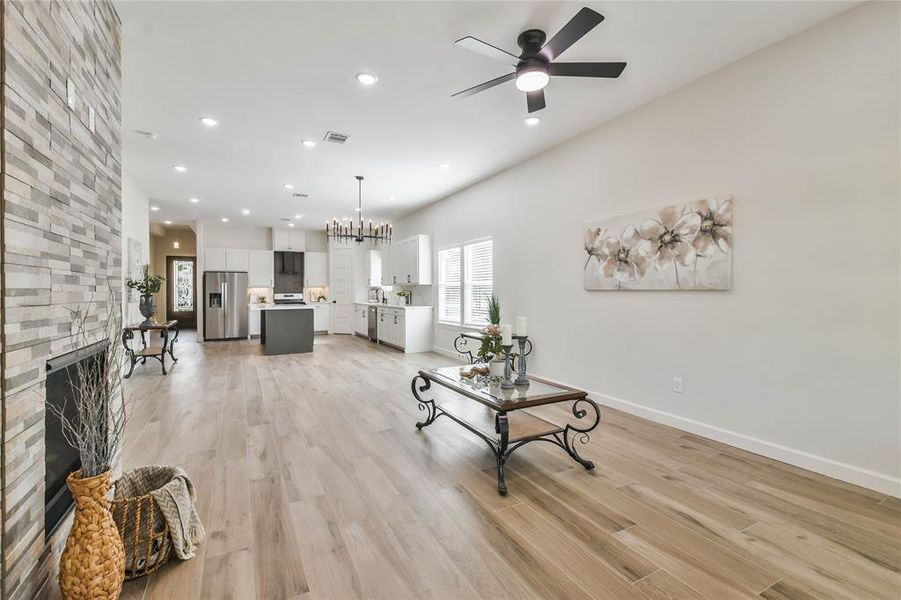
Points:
(140, 521)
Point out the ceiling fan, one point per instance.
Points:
(535, 65)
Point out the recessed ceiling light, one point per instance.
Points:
(366, 78)
(289, 186)
(154, 208)
(167, 222)
(290, 224)
(392, 198)
(444, 166)
(225, 219)
(298, 216)
(209, 121)
(308, 143)
(194, 200)
(245, 211)
(180, 168)
(531, 121)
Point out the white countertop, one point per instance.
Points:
(404, 306)
(280, 306)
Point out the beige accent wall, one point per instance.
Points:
(161, 246)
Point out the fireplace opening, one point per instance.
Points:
(60, 458)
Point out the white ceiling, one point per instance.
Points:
(274, 73)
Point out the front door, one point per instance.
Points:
(181, 301)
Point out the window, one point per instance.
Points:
(450, 299)
(465, 282)
(479, 282)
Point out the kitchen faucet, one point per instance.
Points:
(377, 290)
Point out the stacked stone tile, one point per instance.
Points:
(61, 224)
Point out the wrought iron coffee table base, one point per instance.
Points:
(500, 446)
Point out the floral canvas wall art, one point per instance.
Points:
(679, 247)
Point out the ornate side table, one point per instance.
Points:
(159, 353)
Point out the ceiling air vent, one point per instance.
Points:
(335, 137)
(300, 195)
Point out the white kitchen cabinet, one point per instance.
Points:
(341, 290)
(315, 269)
(261, 268)
(288, 240)
(214, 259)
(361, 319)
(253, 322)
(237, 259)
(408, 329)
(409, 262)
(372, 267)
(320, 317)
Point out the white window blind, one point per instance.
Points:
(449, 279)
(479, 281)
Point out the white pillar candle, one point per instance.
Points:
(521, 326)
(506, 335)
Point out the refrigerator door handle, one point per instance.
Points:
(223, 289)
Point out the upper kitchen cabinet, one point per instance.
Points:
(237, 260)
(261, 269)
(372, 267)
(315, 269)
(214, 259)
(288, 240)
(410, 262)
(226, 259)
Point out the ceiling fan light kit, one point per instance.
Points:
(535, 65)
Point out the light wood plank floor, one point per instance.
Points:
(313, 483)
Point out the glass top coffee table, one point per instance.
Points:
(499, 416)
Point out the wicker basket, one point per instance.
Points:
(144, 531)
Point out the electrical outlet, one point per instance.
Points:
(70, 94)
(677, 385)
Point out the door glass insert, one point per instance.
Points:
(184, 285)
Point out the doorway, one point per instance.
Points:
(181, 299)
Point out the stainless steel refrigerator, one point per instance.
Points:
(224, 305)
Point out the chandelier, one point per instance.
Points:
(348, 231)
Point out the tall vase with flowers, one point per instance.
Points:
(147, 285)
(93, 561)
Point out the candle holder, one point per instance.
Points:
(507, 383)
(521, 378)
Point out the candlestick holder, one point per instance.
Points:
(507, 383)
(521, 378)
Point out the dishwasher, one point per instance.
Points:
(373, 324)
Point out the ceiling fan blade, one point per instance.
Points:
(598, 69)
(484, 86)
(486, 49)
(584, 21)
(535, 100)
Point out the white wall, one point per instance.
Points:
(800, 361)
(135, 224)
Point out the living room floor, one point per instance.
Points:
(313, 482)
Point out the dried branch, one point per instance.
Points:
(97, 428)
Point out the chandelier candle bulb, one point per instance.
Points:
(521, 324)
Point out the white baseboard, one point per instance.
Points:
(867, 478)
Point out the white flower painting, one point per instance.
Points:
(681, 247)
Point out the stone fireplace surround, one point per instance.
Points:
(61, 239)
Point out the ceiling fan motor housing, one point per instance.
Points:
(531, 41)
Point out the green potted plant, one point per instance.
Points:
(494, 310)
(407, 295)
(147, 286)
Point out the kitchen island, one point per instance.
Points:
(286, 328)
